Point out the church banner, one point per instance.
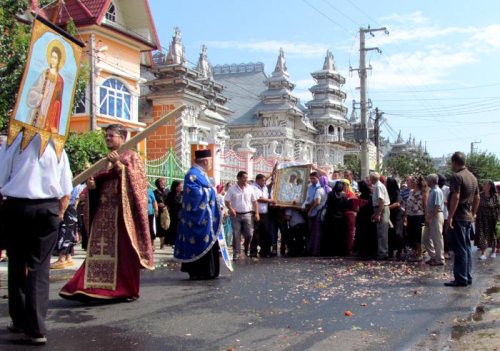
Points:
(45, 99)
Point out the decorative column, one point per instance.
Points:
(247, 152)
(247, 155)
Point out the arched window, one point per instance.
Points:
(111, 13)
(115, 99)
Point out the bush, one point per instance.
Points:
(85, 149)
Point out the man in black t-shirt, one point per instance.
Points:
(462, 206)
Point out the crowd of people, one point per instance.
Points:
(377, 218)
(117, 220)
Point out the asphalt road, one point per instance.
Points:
(270, 304)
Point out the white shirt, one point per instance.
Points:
(446, 193)
(262, 193)
(380, 192)
(295, 217)
(25, 175)
(241, 200)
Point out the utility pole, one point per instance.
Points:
(472, 146)
(362, 71)
(378, 117)
(91, 83)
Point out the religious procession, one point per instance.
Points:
(221, 208)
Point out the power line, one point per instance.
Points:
(435, 90)
(326, 16)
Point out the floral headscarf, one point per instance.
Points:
(347, 188)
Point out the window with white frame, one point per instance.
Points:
(111, 13)
(115, 99)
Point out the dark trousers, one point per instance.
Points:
(262, 236)
(31, 227)
(460, 244)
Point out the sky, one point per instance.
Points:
(437, 77)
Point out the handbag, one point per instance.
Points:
(165, 219)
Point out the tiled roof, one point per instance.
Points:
(90, 12)
(82, 11)
(242, 91)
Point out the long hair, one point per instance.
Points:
(420, 183)
(174, 186)
(493, 189)
(365, 190)
(393, 189)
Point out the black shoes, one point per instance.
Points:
(15, 330)
(454, 283)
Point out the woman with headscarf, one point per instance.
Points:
(323, 182)
(334, 241)
(396, 242)
(366, 231)
(487, 218)
(350, 215)
(174, 205)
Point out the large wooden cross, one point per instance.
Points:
(128, 144)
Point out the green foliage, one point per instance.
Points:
(408, 164)
(85, 149)
(14, 43)
(82, 81)
(352, 162)
(484, 165)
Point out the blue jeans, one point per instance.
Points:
(460, 244)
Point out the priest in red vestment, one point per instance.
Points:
(119, 243)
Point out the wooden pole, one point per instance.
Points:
(128, 144)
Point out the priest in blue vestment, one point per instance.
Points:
(196, 243)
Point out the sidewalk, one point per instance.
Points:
(481, 330)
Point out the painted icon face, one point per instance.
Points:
(54, 60)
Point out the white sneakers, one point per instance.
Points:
(482, 257)
(493, 255)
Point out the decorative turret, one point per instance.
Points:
(400, 139)
(327, 110)
(329, 64)
(203, 65)
(176, 50)
(279, 86)
(280, 69)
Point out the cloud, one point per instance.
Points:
(443, 50)
(485, 39)
(412, 18)
(273, 46)
(422, 68)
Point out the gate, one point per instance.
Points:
(168, 167)
(263, 166)
(230, 164)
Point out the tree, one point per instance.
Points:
(417, 163)
(484, 165)
(352, 162)
(85, 149)
(14, 41)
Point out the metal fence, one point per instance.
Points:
(168, 167)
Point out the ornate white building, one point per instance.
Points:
(239, 107)
(278, 123)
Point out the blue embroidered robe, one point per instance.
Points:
(199, 219)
